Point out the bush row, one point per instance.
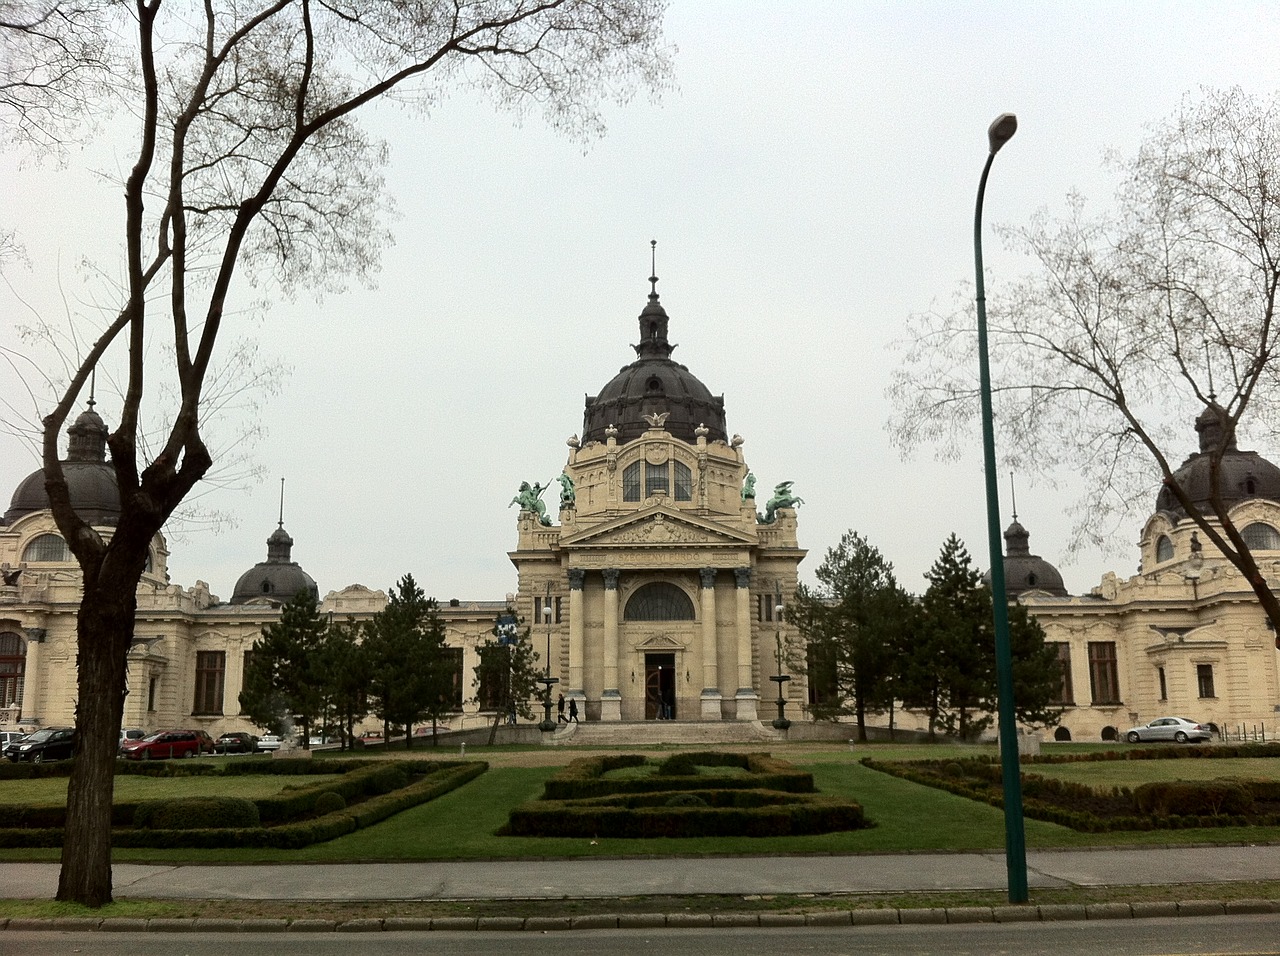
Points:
(804, 814)
(584, 778)
(288, 836)
(1065, 802)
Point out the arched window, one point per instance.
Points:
(1164, 548)
(683, 482)
(47, 548)
(659, 601)
(13, 659)
(631, 482)
(1261, 537)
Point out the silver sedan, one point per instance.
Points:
(1169, 728)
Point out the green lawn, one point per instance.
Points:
(906, 816)
(52, 791)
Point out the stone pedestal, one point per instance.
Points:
(710, 701)
(611, 705)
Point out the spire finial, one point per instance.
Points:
(1013, 494)
(281, 503)
(1209, 364)
(93, 385)
(653, 270)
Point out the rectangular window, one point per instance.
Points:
(1066, 694)
(655, 479)
(1164, 688)
(453, 662)
(557, 610)
(211, 668)
(684, 482)
(824, 688)
(1104, 674)
(494, 670)
(1204, 680)
(765, 612)
(631, 482)
(152, 686)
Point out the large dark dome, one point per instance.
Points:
(651, 385)
(276, 580)
(91, 481)
(1242, 474)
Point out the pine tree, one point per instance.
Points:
(852, 628)
(282, 677)
(955, 657)
(506, 676)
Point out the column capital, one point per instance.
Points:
(35, 634)
(611, 578)
(742, 577)
(576, 578)
(708, 577)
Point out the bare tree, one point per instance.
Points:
(1131, 325)
(250, 167)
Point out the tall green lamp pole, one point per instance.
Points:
(1015, 846)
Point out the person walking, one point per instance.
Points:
(560, 718)
(573, 710)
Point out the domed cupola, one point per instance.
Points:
(1024, 571)
(651, 385)
(91, 481)
(1242, 474)
(278, 579)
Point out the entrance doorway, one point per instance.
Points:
(659, 687)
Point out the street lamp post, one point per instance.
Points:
(780, 722)
(546, 680)
(999, 133)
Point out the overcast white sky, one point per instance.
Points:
(810, 184)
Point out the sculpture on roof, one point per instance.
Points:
(567, 494)
(749, 487)
(529, 498)
(782, 498)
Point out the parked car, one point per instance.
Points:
(130, 733)
(8, 737)
(168, 743)
(1169, 728)
(269, 742)
(236, 742)
(53, 743)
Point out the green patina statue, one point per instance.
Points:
(749, 487)
(529, 498)
(782, 498)
(566, 491)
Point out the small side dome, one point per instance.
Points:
(276, 580)
(91, 481)
(1024, 571)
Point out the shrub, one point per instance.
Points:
(684, 800)
(197, 813)
(329, 802)
(1193, 798)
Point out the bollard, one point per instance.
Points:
(463, 750)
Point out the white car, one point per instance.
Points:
(269, 742)
(1178, 729)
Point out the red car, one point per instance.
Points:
(168, 743)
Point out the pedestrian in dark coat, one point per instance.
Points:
(573, 710)
(560, 711)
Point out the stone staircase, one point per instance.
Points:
(598, 733)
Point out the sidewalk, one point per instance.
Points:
(602, 879)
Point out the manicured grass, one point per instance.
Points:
(905, 816)
(52, 791)
(1105, 774)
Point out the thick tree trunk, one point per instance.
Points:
(105, 629)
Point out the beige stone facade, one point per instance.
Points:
(660, 581)
(1184, 637)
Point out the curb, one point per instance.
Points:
(555, 924)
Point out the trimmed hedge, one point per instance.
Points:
(1218, 803)
(584, 778)
(436, 778)
(197, 813)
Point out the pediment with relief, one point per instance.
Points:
(657, 528)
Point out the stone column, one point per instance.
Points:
(710, 672)
(30, 710)
(611, 704)
(746, 697)
(470, 662)
(233, 679)
(577, 576)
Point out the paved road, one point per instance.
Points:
(1251, 935)
(588, 879)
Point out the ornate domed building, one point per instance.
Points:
(657, 590)
(1185, 636)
